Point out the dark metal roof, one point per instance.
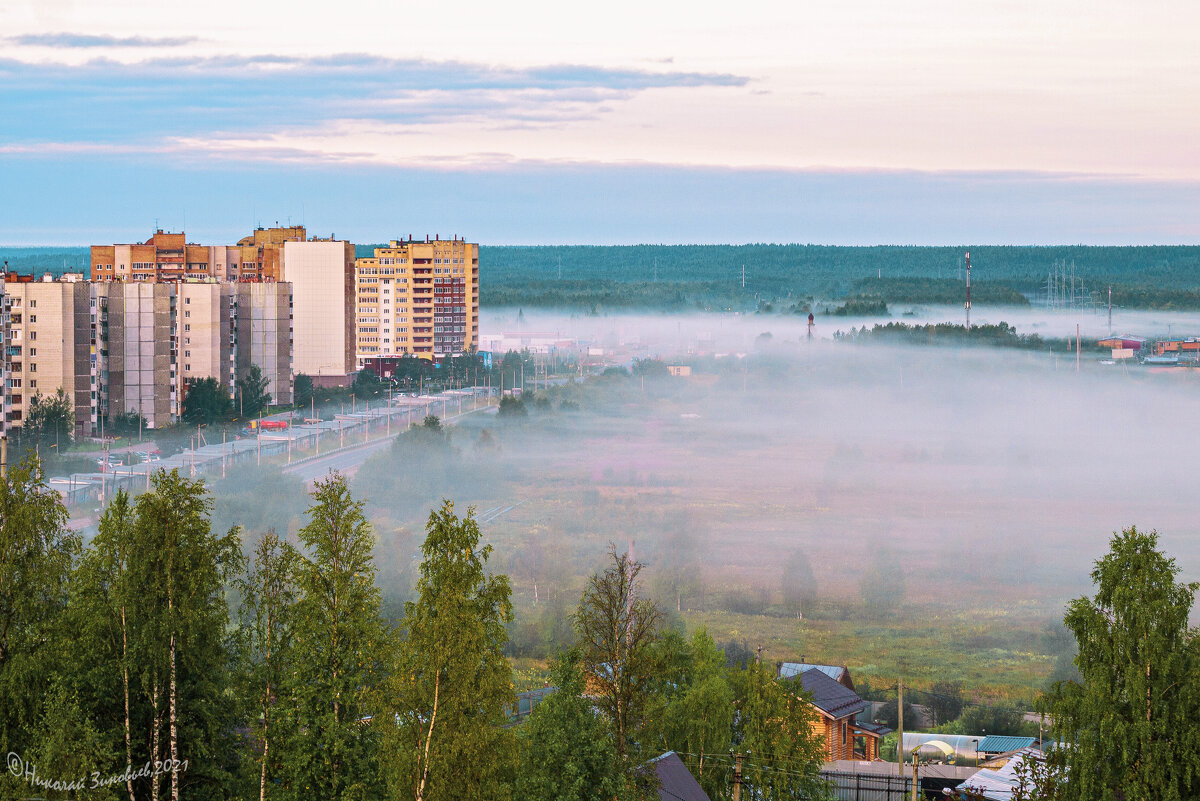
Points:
(831, 697)
(676, 782)
(873, 728)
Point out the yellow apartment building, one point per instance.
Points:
(417, 299)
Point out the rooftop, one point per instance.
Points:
(831, 697)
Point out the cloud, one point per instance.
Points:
(83, 40)
(156, 99)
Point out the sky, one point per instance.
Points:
(850, 122)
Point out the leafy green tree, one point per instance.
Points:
(69, 746)
(36, 554)
(179, 569)
(367, 385)
(798, 583)
(302, 389)
(1131, 722)
(567, 753)
(269, 595)
(773, 724)
(252, 395)
(125, 425)
(51, 420)
(106, 615)
(945, 700)
(512, 408)
(338, 654)
(452, 682)
(698, 719)
(979, 719)
(616, 629)
(206, 402)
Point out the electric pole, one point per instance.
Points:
(737, 777)
(900, 723)
(968, 304)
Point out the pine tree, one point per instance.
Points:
(1129, 727)
(452, 683)
(339, 646)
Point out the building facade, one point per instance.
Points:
(119, 348)
(168, 256)
(419, 299)
(47, 345)
(321, 272)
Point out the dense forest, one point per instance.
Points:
(596, 278)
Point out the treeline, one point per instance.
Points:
(938, 290)
(170, 659)
(710, 276)
(1001, 335)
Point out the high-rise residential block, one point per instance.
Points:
(120, 348)
(321, 272)
(419, 299)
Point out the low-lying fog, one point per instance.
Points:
(674, 332)
(986, 470)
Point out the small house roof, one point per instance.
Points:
(676, 782)
(839, 673)
(831, 697)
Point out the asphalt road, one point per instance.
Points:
(349, 460)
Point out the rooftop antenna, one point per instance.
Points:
(968, 303)
(743, 276)
(1110, 310)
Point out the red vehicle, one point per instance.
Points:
(269, 425)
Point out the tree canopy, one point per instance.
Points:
(1129, 726)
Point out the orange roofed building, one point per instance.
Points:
(169, 256)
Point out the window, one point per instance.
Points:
(187, 313)
(32, 317)
(187, 301)
(187, 368)
(32, 384)
(187, 327)
(187, 340)
(33, 304)
(33, 351)
(33, 367)
(33, 334)
(187, 354)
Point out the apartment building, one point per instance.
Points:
(321, 272)
(418, 298)
(169, 256)
(262, 334)
(136, 349)
(47, 344)
(118, 348)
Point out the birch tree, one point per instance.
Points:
(452, 683)
(268, 600)
(1129, 727)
